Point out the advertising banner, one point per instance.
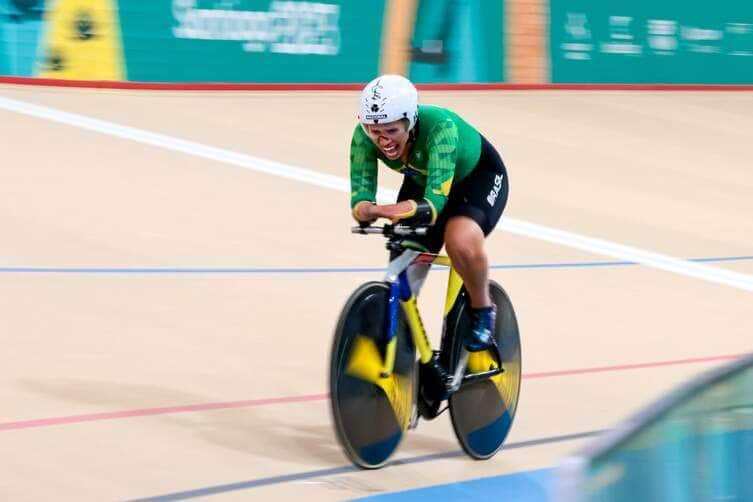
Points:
(21, 23)
(81, 41)
(251, 40)
(647, 41)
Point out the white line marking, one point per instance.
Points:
(592, 245)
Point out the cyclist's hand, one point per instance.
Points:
(369, 212)
(396, 212)
(365, 213)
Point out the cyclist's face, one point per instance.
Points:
(390, 138)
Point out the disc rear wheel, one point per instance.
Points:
(482, 411)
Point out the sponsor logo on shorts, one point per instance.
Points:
(494, 192)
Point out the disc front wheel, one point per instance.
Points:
(370, 412)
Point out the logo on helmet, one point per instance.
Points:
(375, 108)
(376, 118)
(376, 90)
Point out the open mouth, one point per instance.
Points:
(390, 151)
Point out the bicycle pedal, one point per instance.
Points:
(414, 417)
(457, 377)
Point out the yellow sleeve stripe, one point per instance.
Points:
(410, 213)
(433, 211)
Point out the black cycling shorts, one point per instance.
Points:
(481, 196)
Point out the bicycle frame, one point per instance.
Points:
(404, 295)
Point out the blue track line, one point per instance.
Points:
(300, 476)
(526, 486)
(322, 270)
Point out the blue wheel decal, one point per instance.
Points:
(376, 453)
(487, 439)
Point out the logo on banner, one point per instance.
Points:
(84, 26)
(81, 42)
(578, 44)
(286, 28)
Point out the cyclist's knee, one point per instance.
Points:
(464, 239)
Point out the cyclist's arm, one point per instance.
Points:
(409, 211)
(443, 155)
(363, 175)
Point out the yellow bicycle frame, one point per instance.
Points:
(413, 316)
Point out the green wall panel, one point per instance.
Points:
(251, 40)
(652, 41)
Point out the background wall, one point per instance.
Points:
(21, 24)
(253, 40)
(343, 41)
(643, 41)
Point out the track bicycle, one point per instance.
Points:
(378, 388)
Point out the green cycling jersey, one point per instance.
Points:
(445, 149)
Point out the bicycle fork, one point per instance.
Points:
(401, 296)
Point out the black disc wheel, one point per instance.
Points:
(370, 412)
(482, 411)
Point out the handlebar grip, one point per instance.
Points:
(406, 230)
(367, 230)
(390, 230)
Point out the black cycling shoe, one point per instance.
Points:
(481, 336)
(435, 382)
(428, 410)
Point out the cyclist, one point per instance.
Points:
(454, 181)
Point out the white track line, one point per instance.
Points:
(592, 245)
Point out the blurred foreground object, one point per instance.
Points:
(694, 444)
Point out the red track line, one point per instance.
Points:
(623, 367)
(45, 422)
(72, 419)
(228, 86)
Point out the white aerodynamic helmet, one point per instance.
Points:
(389, 98)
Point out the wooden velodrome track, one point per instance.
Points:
(166, 309)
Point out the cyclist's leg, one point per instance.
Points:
(465, 245)
(473, 210)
